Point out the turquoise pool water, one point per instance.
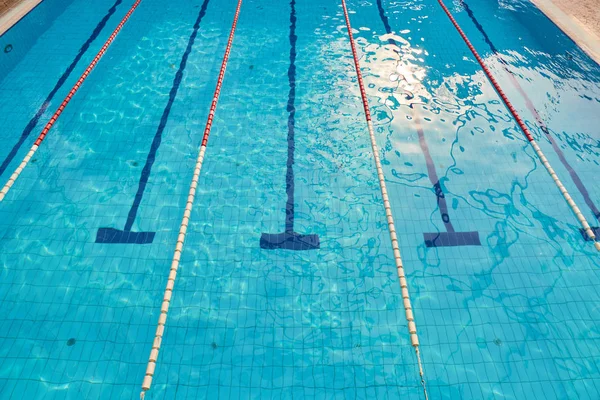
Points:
(515, 317)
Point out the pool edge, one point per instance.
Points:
(16, 13)
(583, 36)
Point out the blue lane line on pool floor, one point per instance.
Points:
(290, 240)
(434, 239)
(112, 235)
(450, 237)
(34, 121)
(561, 155)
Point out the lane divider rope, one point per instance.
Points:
(64, 103)
(412, 328)
(586, 226)
(164, 309)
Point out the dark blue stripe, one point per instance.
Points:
(431, 172)
(433, 176)
(438, 239)
(291, 108)
(479, 26)
(33, 122)
(486, 38)
(386, 22)
(290, 240)
(163, 122)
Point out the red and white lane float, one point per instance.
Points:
(164, 309)
(585, 225)
(64, 103)
(412, 328)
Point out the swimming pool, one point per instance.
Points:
(502, 281)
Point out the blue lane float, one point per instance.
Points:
(112, 235)
(289, 239)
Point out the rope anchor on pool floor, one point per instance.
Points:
(290, 240)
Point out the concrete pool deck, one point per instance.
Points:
(579, 19)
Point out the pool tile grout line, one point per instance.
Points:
(164, 309)
(65, 102)
(586, 226)
(412, 328)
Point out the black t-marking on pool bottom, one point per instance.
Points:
(112, 235)
(450, 237)
(290, 240)
(435, 239)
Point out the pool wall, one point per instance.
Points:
(34, 18)
(578, 31)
